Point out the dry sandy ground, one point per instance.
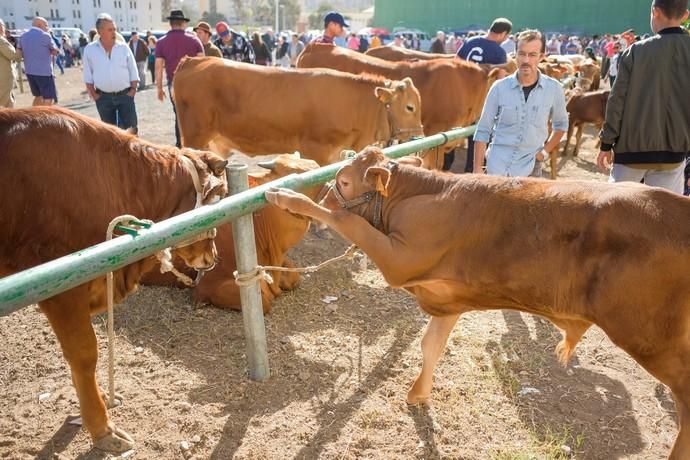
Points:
(340, 373)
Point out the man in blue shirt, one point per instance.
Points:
(38, 50)
(516, 114)
(483, 49)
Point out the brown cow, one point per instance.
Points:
(589, 75)
(585, 108)
(275, 230)
(452, 90)
(397, 53)
(65, 177)
(261, 110)
(468, 242)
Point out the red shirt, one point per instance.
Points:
(174, 46)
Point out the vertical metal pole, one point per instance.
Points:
(245, 254)
(276, 29)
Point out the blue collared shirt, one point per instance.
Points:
(519, 128)
(109, 74)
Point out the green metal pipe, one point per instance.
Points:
(51, 278)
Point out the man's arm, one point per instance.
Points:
(160, 64)
(484, 128)
(614, 110)
(559, 121)
(133, 73)
(87, 75)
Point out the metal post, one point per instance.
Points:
(276, 29)
(245, 254)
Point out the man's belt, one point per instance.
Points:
(116, 93)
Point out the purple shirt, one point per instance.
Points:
(36, 45)
(174, 46)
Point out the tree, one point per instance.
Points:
(265, 13)
(316, 18)
(213, 18)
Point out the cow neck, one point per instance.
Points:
(407, 181)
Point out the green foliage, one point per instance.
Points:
(212, 17)
(316, 18)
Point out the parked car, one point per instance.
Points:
(126, 34)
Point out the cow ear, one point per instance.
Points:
(378, 177)
(408, 82)
(217, 164)
(384, 95)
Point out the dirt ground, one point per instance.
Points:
(339, 372)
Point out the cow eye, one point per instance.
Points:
(410, 108)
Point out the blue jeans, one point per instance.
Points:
(117, 110)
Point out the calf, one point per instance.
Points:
(275, 230)
(60, 203)
(585, 108)
(458, 243)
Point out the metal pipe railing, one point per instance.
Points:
(51, 278)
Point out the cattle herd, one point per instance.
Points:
(575, 253)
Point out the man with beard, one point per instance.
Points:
(516, 114)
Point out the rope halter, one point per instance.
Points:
(365, 197)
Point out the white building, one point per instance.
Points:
(128, 14)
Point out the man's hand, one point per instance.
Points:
(131, 92)
(291, 201)
(605, 160)
(161, 94)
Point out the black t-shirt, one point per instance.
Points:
(528, 89)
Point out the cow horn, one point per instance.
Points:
(270, 164)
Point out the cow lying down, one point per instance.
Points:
(63, 178)
(275, 231)
(467, 242)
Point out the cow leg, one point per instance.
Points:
(578, 138)
(71, 322)
(572, 330)
(554, 164)
(681, 448)
(433, 344)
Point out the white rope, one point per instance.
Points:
(121, 220)
(260, 271)
(165, 259)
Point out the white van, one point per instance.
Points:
(414, 35)
(72, 33)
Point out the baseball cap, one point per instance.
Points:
(336, 17)
(223, 29)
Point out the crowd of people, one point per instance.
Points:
(511, 137)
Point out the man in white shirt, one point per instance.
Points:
(111, 76)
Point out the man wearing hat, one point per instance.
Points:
(333, 26)
(232, 45)
(170, 50)
(203, 31)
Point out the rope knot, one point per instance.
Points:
(247, 279)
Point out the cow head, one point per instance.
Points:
(366, 176)
(588, 76)
(403, 107)
(200, 252)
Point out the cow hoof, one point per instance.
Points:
(414, 399)
(117, 441)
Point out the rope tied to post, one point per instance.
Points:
(260, 271)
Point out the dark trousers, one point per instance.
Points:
(117, 110)
(469, 164)
(178, 144)
(152, 69)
